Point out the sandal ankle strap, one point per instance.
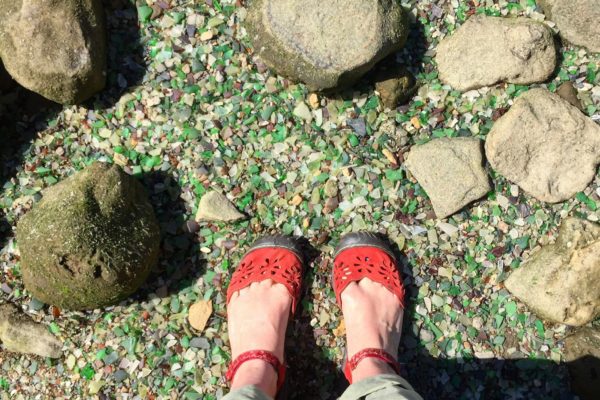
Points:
(379, 354)
(263, 355)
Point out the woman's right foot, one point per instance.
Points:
(373, 311)
(373, 317)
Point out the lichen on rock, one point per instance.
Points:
(91, 241)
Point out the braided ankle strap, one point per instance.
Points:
(379, 354)
(263, 355)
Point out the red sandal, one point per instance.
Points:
(272, 257)
(359, 256)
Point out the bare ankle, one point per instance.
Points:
(370, 367)
(256, 373)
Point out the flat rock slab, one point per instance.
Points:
(215, 206)
(486, 50)
(20, 334)
(561, 282)
(546, 146)
(582, 354)
(578, 21)
(451, 172)
(55, 48)
(326, 44)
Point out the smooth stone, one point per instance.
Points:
(55, 48)
(395, 84)
(486, 50)
(215, 206)
(451, 172)
(561, 282)
(546, 146)
(326, 45)
(20, 334)
(568, 92)
(578, 21)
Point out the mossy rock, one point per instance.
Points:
(91, 241)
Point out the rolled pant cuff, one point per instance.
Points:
(247, 393)
(392, 387)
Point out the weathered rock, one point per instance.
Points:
(577, 20)
(327, 44)
(561, 282)
(55, 48)
(546, 146)
(395, 84)
(488, 50)
(582, 354)
(451, 172)
(20, 334)
(568, 92)
(91, 241)
(215, 206)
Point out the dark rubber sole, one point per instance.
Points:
(282, 241)
(364, 239)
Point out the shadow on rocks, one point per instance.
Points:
(23, 115)
(311, 373)
(313, 376)
(179, 264)
(472, 378)
(411, 56)
(126, 64)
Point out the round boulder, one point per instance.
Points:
(55, 48)
(91, 241)
(326, 44)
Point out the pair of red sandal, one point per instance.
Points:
(279, 258)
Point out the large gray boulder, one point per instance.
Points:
(546, 146)
(326, 44)
(561, 282)
(489, 50)
(451, 172)
(582, 354)
(578, 21)
(56, 48)
(91, 241)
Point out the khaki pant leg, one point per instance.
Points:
(382, 387)
(247, 393)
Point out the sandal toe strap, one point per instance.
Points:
(357, 263)
(276, 263)
(263, 355)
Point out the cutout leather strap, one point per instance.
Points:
(263, 355)
(357, 263)
(380, 354)
(276, 263)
